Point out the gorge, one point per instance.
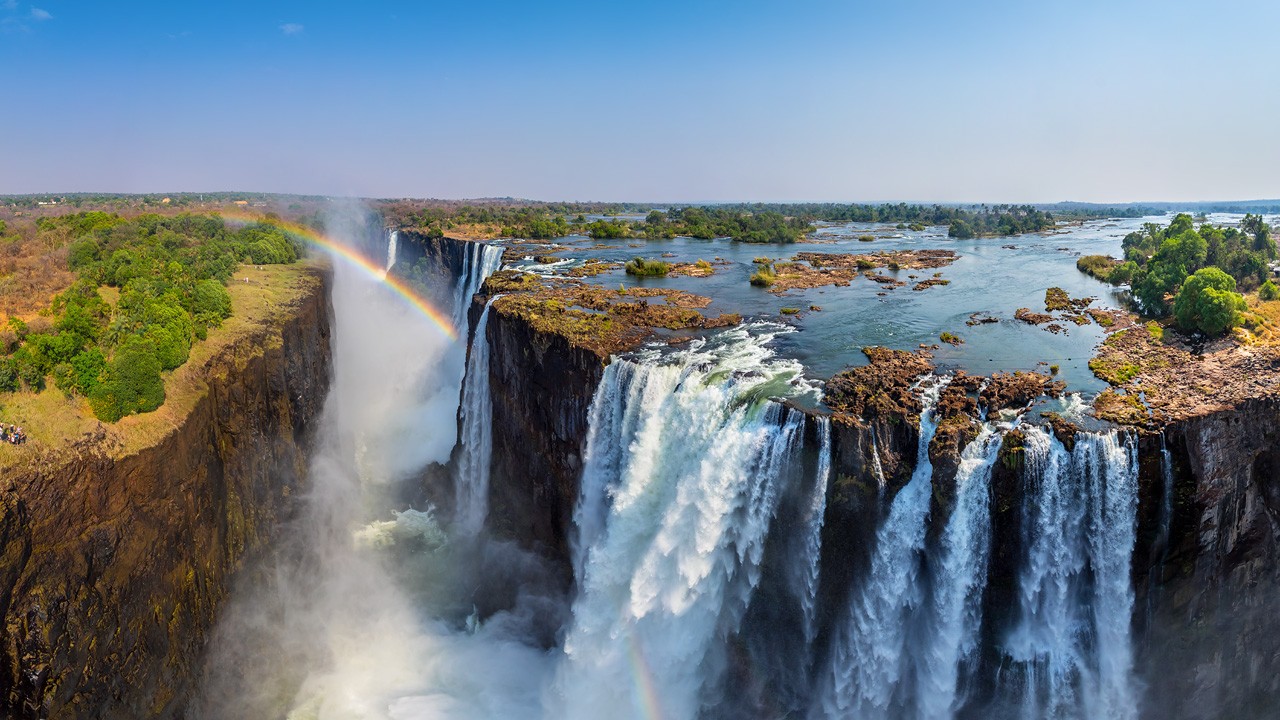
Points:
(520, 523)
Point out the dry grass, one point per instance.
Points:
(260, 297)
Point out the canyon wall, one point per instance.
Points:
(113, 568)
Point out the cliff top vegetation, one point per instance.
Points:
(261, 298)
(99, 310)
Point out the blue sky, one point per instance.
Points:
(658, 101)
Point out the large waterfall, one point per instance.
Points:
(684, 468)
(701, 583)
(1070, 651)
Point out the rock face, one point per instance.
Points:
(1210, 579)
(542, 386)
(112, 570)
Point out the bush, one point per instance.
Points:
(1208, 302)
(1269, 291)
(130, 384)
(764, 277)
(209, 297)
(647, 268)
(9, 381)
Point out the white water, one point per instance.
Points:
(870, 653)
(809, 561)
(684, 468)
(471, 476)
(479, 261)
(392, 240)
(951, 640)
(1071, 649)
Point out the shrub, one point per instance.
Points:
(647, 268)
(764, 277)
(790, 311)
(866, 238)
(9, 380)
(209, 297)
(950, 338)
(1269, 291)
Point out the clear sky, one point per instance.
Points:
(939, 100)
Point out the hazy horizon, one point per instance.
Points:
(718, 102)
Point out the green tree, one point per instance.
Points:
(130, 384)
(1208, 302)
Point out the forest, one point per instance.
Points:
(166, 277)
(1196, 274)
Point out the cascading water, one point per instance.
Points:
(1069, 654)
(869, 657)
(393, 239)
(471, 477)
(960, 573)
(479, 261)
(685, 462)
(696, 551)
(807, 587)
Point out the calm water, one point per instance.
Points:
(987, 277)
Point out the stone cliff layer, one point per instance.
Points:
(112, 569)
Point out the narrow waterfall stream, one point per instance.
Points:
(471, 478)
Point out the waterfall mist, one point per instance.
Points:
(360, 613)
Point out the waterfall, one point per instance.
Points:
(392, 240)
(876, 467)
(960, 577)
(1166, 498)
(479, 261)
(1070, 650)
(471, 478)
(812, 549)
(685, 462)
(869, 656)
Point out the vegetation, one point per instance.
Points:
(790, 311)
(757, 223)
(647, 268)
(950, 338)
(167, 276)
(1208, 302)
(1192, 272)
(1268, 291)
(764, 276)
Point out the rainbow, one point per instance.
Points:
(416, 301)
(650, 700)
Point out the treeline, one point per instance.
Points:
(756, 223)
(168, 275)
(963, 222)
(1193, 273)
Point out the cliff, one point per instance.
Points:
(114, 560)
(1208, 576)
(542, 385)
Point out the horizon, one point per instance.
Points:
(715, 101)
